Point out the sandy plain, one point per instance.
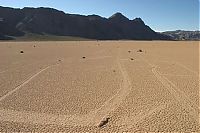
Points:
(74, 86)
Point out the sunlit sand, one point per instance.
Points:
(94, 86)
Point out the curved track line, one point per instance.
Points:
(23, 84)
(192, 104)
(116, 100)
(178, 95)
(183, 66)
(96, 58)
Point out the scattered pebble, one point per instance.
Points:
(83, 57)
(129, 51)
(21, 51)
(139, 50)
(132, 59)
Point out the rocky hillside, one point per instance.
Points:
(183, 35)
(18, 22)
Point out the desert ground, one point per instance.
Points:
(99, 86)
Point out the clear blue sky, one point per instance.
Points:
(160, 15)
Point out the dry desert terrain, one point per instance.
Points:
(99, 86)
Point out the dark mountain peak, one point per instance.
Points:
(138, 21)
(118, 16)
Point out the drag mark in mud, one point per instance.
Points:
(23, 84)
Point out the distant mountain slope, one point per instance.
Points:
(18, 22)
(183, 35)
(46, 37)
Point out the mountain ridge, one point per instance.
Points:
(42, 20)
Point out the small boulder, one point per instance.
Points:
(103, 122)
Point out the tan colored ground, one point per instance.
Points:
(51, 87)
